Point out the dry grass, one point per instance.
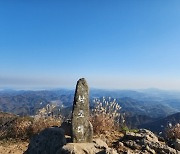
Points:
(42, 123)
(173, 132)
(105, 116)
(102, 124)
(13, 147)
(25, 127)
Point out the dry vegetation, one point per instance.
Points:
(105, 120)
(13, 147)
(15, 131)
(25, 127)
(173, 132)
(105, 116)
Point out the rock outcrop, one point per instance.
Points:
(66, 126)
(96, 147)
(145, 142)
(49, 141)
(52, 141)
(177, 144)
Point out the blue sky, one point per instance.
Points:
(121, 44)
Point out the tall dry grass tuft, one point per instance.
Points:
(173, 132)
(105, 115)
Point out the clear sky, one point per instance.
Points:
(122, 44)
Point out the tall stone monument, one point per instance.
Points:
(82, 130)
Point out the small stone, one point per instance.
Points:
(121, 144)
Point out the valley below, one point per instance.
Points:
(140, 108)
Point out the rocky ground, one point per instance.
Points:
(52, 140)
(13, 147)
(143, 142)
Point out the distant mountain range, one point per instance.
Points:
(29, 102)
(161, 124)
(143, 108)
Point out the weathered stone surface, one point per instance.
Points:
(82, 130)
(96, 147)
(177, 144)
(144, 140)
(66, 126)
(143, 133)
(49, 141)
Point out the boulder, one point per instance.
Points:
(66, 126)
(96, 147)
(177, 144)
(48, 141)
(144, 141)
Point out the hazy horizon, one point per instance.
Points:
(49, 88)
(114, 45)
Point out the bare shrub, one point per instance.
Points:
(105, 115)
(20, 128)
(25, 127)
(102, 123)
(173, 132)
(42, 123)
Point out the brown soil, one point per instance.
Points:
(13, 147)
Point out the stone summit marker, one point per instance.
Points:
(82, 130)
